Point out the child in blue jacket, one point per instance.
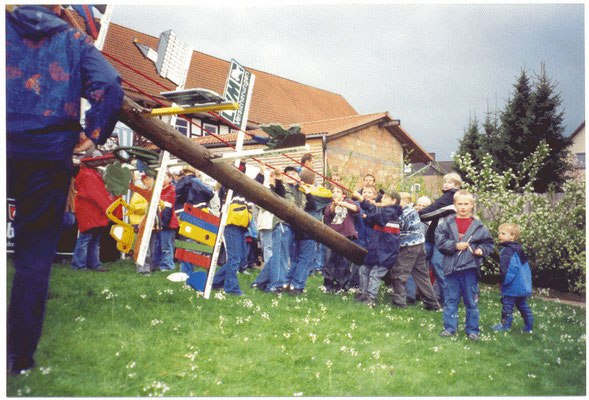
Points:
(383, 245)
(517, 279)
(463, 241)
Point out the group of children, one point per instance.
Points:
(400, 241)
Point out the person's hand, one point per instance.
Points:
(462, 246)
(83, 144)
(305, 188)
(357, 195)
(278, 175)
(262, 167)
(478, 252)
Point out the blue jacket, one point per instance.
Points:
(515, 270)
(455, 260)
(363, 227)
(383, 246)
(191, 190)
(49, 67)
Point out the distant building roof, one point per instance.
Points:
(274, 99)
(336, 127)
(432, 168)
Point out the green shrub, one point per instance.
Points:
(553, 224)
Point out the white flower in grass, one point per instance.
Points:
(317, 374)
(313, 337)
(131, 365)
(376, 354)
(143, 296)
(558, 360)
(105, 291)
(220, 296)
(508, 364)
(490, 377)
(265, 316)
(327, 341)
(155, 322)
(45, 371)
(532, 376)
(128, 307)
(286, 334)
(132, 375)
(274, 303)
(452, 372)
(80, 319)
(329, 364)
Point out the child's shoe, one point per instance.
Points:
(473, 336)
(525, 330)
(360, 297)
(446, 333)
(500, 327)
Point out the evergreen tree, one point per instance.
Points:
(515, 141)
(491, 141)
(472, 143)
(547, 125)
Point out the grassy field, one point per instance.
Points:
(123, 334)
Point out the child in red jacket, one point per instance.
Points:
(92, 200)
(164, 240)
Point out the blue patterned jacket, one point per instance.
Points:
(49, 67)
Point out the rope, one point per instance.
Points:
(213, 114)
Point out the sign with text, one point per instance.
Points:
(238, 89)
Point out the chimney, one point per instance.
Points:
(433, 156)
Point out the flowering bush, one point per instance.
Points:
(552, 225)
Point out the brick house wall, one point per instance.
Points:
(370, 150)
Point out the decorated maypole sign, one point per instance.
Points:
(238, 88)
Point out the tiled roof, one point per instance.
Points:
(274, 99)
(337, 126)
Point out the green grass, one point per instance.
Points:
(123, 334)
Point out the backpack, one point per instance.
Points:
(239, 213)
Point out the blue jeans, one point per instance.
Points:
(301, 262)
(436, 259)
(273, 276)
(318, 258)
(226, 276)
(164, 249)
(266, 240)
(40, 190)
(87, 250)
(462, 284)
(411, 288)
(522, 305)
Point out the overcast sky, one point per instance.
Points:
(429, 65)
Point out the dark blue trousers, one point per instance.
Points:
(40, 191)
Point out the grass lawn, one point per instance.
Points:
(123, 334)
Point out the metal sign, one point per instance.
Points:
(238, 89)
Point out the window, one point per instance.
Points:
(210, 128)
(182, 126)
(416, 188)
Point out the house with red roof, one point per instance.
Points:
(339, 138)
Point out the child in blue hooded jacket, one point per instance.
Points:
(517, 279)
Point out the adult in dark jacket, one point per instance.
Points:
(434, 213)
(49, 67)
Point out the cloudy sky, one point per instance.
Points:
(429, 65)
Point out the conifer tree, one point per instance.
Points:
(472, 143)
(546, 125)
(514, 141)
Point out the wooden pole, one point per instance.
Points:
(166, 137)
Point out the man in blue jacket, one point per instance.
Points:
(49, 66)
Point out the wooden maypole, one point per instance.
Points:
(166, 137)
